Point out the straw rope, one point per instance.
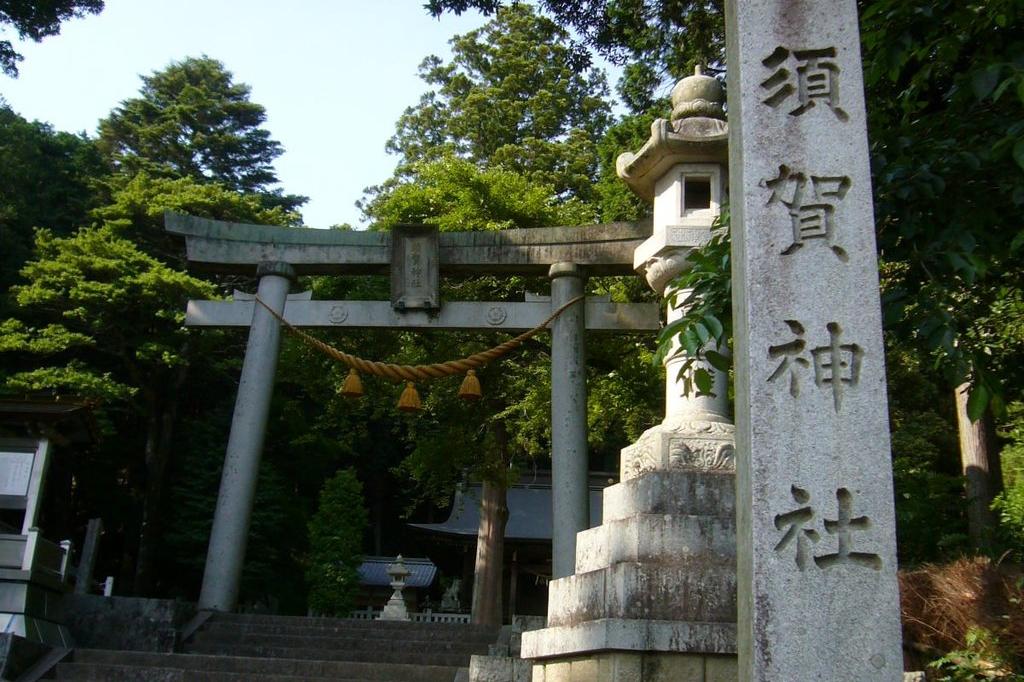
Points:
(395, 372)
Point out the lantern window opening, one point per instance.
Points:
(696, 193)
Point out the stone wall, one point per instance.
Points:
(125, 623)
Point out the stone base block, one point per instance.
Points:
(617, 634)
(639, 667)
(700, 493)
(498, 669)
(656, 538)
(700, 591)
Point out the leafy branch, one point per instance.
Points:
(704, 293)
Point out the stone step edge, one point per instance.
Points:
(341, 638)
(315, 642)
(316, 621)
(220, 675)
(187, 662)
(442, 659)
(616, 634)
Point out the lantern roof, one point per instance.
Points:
(696, 133)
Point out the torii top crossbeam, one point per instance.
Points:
(218, 246)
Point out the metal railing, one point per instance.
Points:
(427, 616)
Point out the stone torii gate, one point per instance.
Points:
(415, 257)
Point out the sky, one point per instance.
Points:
(333, 75)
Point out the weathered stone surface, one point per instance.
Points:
(707, 493)
(498, 669)
(602, 315)
(817, 550)
(721, 669)
(657, 538)
(639, 667)
(570, 503)
(126, 623)
(701, 590)
(681, 444)
(616, 634)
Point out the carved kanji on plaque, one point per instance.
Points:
(812, 201)
(836, 365)
(814, 79)
(800, 533)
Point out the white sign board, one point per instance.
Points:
(15, 472)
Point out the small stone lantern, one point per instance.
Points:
(395, 609)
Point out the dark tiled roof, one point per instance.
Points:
(373, 572)
(529, 513)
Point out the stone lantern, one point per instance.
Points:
(396, 609)
(683, 169)
(653, 596)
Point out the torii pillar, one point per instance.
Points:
(230, 533)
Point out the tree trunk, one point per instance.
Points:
(159, 442)
(490, 550)
(978, 465)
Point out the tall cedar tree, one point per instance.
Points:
(192, 120)
(509, 98)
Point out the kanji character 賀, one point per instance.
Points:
(812, 205)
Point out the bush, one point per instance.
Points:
(972, 609)
(335, 541)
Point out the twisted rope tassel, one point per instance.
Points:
(395, 372)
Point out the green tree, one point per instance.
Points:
(509, 98)
(335, 541)
(457, 195)
(657, 41)
(192, 120)
(48, 179)
(104, 323)
(100, 316)
(38, 20)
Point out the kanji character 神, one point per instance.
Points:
(837, 364)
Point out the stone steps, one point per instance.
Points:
(88, 672)
(126, 666)
(400, 653)
(427, 632)
(221, 640)
(237, 647)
